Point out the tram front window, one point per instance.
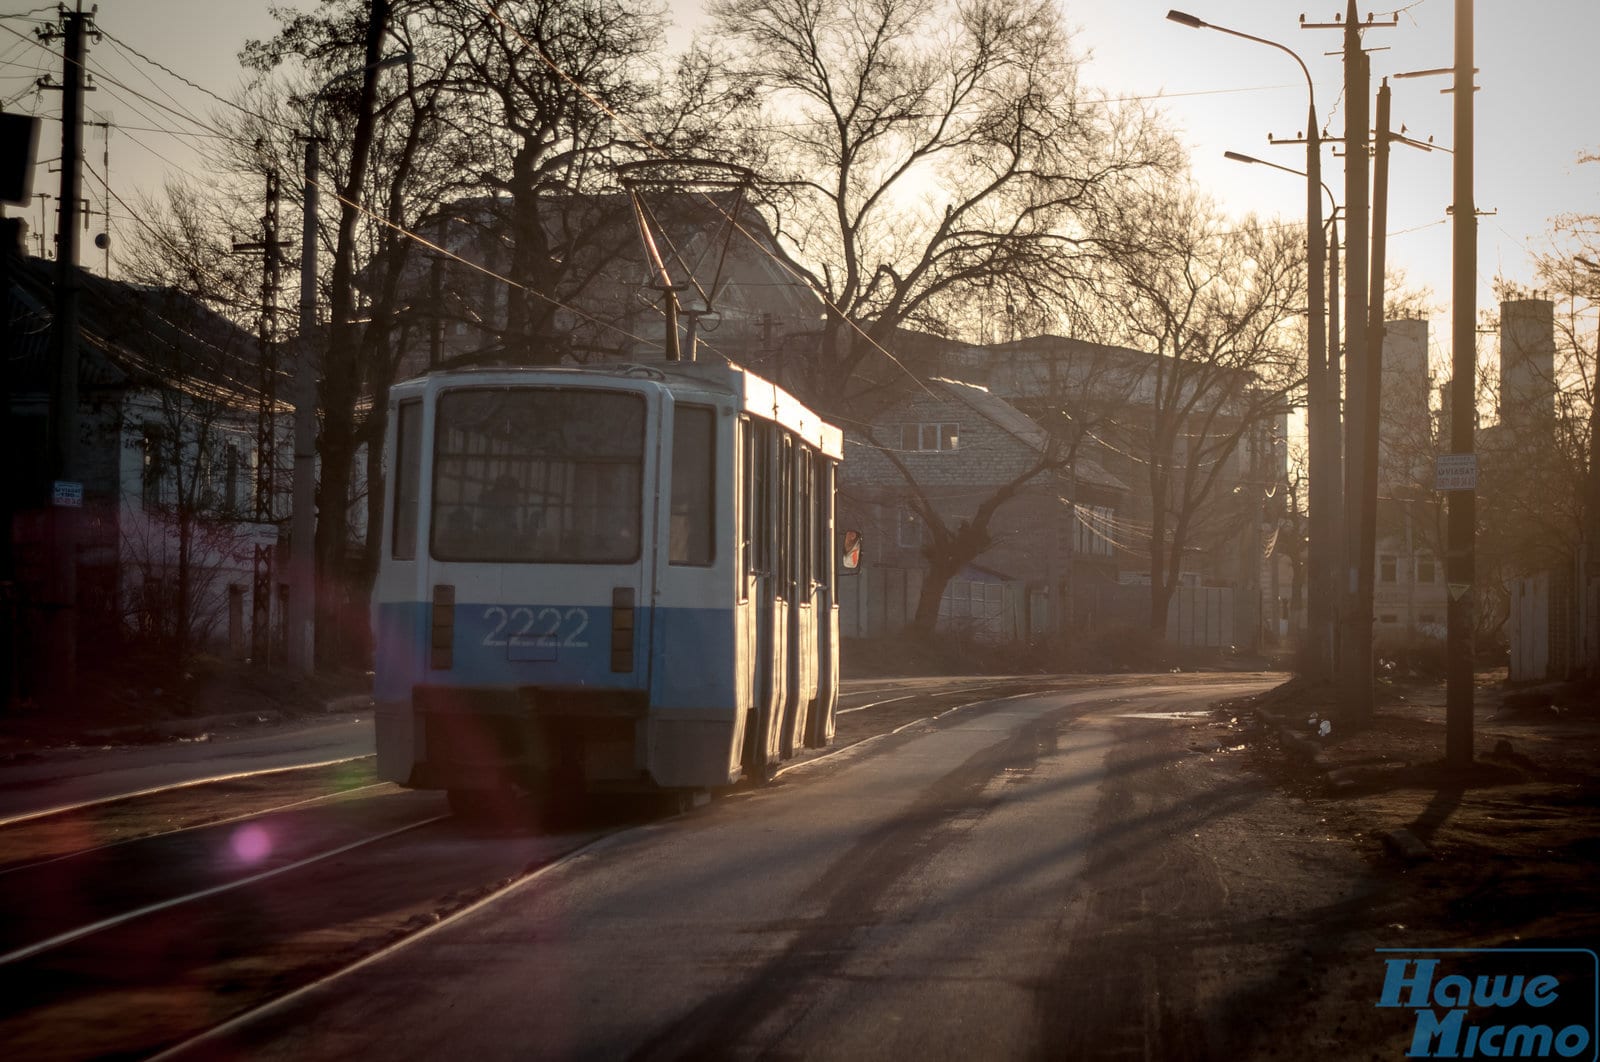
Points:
(537, 475)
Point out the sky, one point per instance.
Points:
(1221, 93)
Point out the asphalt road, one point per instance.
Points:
(65, 777)
(982, 885)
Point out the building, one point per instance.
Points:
(1532, 471)
(1073, 547)
(954, 448)
(1409, 595)
(170, 422)
(741, 298)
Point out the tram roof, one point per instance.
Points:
(752, 394)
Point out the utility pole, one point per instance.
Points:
(61, 662)
(266, 425)
(1367, 538)
(10, 255)
(1459, 555)
(19, 140)
(1354, 663)
(1322, 421)
(301, 650)
(1355, 638)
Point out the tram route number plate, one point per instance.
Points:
(1455, 472)
(533, 632)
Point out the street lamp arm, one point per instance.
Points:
(1333, 204)
(1192, 22)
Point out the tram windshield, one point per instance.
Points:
(537, 475)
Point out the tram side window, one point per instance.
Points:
(828, 556)
(786, 516)
(407, 480)
(690, 539)
(808, 523)
(761, 495)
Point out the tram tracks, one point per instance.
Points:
(137, 942)
(126, 948)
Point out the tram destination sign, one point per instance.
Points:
(1455, 472)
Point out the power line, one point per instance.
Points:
(125, 52)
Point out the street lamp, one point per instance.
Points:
(1235, 156)
(302, 523)
(1322, 426)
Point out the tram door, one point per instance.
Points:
(820, 725)
(764, 617)
(804, 612)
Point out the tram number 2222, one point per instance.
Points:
(543, 627)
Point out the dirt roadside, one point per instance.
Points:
(1499, 855)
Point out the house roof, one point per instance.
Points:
(131, 335)
(1025, 429)
(713, 239)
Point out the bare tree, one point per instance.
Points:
(1214, 301)
(923, 150)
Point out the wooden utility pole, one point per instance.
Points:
(1372, 388)
(1460, 562)
(1355, 629)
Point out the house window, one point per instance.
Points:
(1427, 617)
(1425, 569)
(929, 437)
(1389, 618)
(1386, 569)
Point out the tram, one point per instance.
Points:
(603, 578)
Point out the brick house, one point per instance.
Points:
(1052, 543)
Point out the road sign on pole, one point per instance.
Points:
(1455, 472)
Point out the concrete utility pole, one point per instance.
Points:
(1460, 531)
(61, 657)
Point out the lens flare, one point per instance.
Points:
(251, 844)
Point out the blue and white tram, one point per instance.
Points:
(618, 577)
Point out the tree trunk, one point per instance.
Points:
(925, 619)
(1160, 592)
(342, 373)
